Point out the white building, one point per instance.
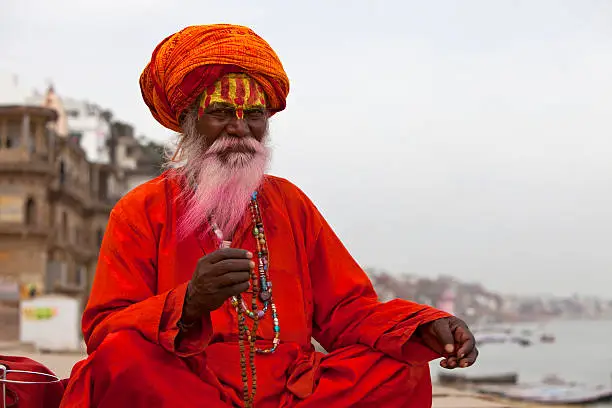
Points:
(139, 161)
(86, 123)
(90, 127)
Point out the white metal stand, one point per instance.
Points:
(4, 372)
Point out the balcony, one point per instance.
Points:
(19, 161)
(66, 189)
(81, 249)
(82, 252)
(58, 279)
(103, 205)
(23, 230)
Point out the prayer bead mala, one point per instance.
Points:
(262, 289)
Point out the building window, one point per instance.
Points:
(64, 226)
(30, 211)
(81, 277)
(75, 137)
(33, 139)
(13, 134)
(103, 186)
(86, 238)
(62, 172)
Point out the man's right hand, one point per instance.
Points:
(218, 276)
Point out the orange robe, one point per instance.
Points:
(130, 323)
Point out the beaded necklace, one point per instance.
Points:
(262, 290)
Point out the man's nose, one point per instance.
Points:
(238, 127)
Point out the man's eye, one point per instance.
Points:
(254, 114)
(221, 113)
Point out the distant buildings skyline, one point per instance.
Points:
(477, 304)
(63, 165)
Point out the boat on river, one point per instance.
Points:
(448, 378)
(483, 338)
(550, 394)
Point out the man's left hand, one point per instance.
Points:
(451, 338)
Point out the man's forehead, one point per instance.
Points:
(221, 104)
(236, 90)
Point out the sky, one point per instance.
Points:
(467, 138)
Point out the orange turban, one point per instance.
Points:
(185, 63)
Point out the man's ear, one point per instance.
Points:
(192, 108)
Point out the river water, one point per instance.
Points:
(581, 353)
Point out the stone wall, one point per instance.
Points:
(23, 261)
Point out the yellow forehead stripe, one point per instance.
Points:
(238, 90)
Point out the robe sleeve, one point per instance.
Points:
(124, 296)
(346, 307)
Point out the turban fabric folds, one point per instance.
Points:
(184, 64)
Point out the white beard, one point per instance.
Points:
(220, 182)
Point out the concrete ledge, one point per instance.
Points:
(467, 402)
(444, 397)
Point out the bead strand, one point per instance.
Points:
(263, 258)
(252, 352)
(243, 365)
(253, 335)
(262, 291)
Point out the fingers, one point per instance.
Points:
(233, 278)
(233, 265)
(226, 253)
(465, 340)
(227, 266)
(469, 359)
(237, 289)
(445, 335)
(218, 276)
(449, 363)
(467, 352)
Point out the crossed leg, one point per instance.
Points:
(129, 371)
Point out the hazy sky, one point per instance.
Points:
(469, 138)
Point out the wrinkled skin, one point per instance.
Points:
(451, 338)
(219, 120)
(218, 276)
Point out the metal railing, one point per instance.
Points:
(36, 378)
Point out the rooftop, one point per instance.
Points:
(12, 91)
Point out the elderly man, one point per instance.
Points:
(214, 278)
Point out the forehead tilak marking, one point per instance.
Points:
(233, 89)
